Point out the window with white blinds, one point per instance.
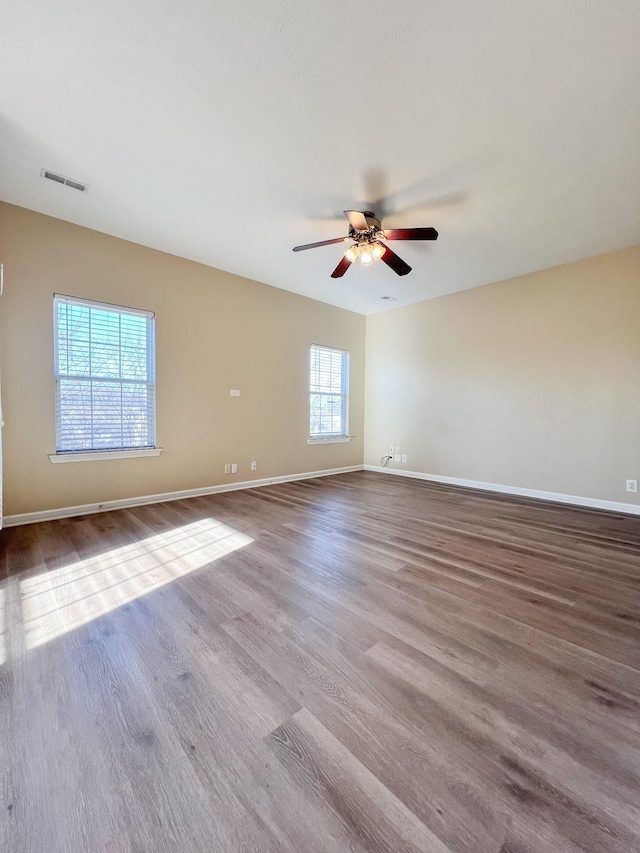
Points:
(329, 392)
(104, 375)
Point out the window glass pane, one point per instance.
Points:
(105, 359)
(78, 322)
(105, 326)
(134, 347)
(135, 414)
(329, 388)
(61, 318)
(74, 415)
(105, 396)
(106, 414)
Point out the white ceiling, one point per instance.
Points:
(228, 131)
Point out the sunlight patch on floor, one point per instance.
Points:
(58, 601)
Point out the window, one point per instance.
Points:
(105, 376)
(329, 394)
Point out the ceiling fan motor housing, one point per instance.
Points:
(372, 220)
(372, 234)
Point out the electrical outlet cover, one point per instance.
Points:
(632, 486)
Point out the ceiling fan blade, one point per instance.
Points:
(410, 234)
(321, 243)
(357, 220)
(341, 269)
(396, 263)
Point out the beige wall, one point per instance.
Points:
(214, 332)
(532, 382)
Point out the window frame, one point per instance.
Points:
(332, 438)
(101, 453)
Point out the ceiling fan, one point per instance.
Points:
(366, 235)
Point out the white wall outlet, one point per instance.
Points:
(396, 457)
(227, 469)
(234, 468)
(391, 450)
(404, 458)
(632, 485)
(397, 450)
(235, 392)
(254, 466)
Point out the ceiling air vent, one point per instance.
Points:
(60, 179)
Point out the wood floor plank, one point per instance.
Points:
(357, 662)
(412, 607)
(372, 814)
(50, 795)
(454, 721)
(523, 746)
(373, 719)
(168, 806)
(251, 797)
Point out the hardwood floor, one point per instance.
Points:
(354, 663)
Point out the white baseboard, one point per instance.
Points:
(124, 503)
(592, 503)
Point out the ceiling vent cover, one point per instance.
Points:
(60, 179)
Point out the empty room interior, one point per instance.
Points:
(320, 381)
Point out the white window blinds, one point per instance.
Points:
(104, 375)
(329, 392)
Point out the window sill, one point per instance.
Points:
(340, 439)
(98, 455)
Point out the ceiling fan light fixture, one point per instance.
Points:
(365, 235)
(366, 256)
